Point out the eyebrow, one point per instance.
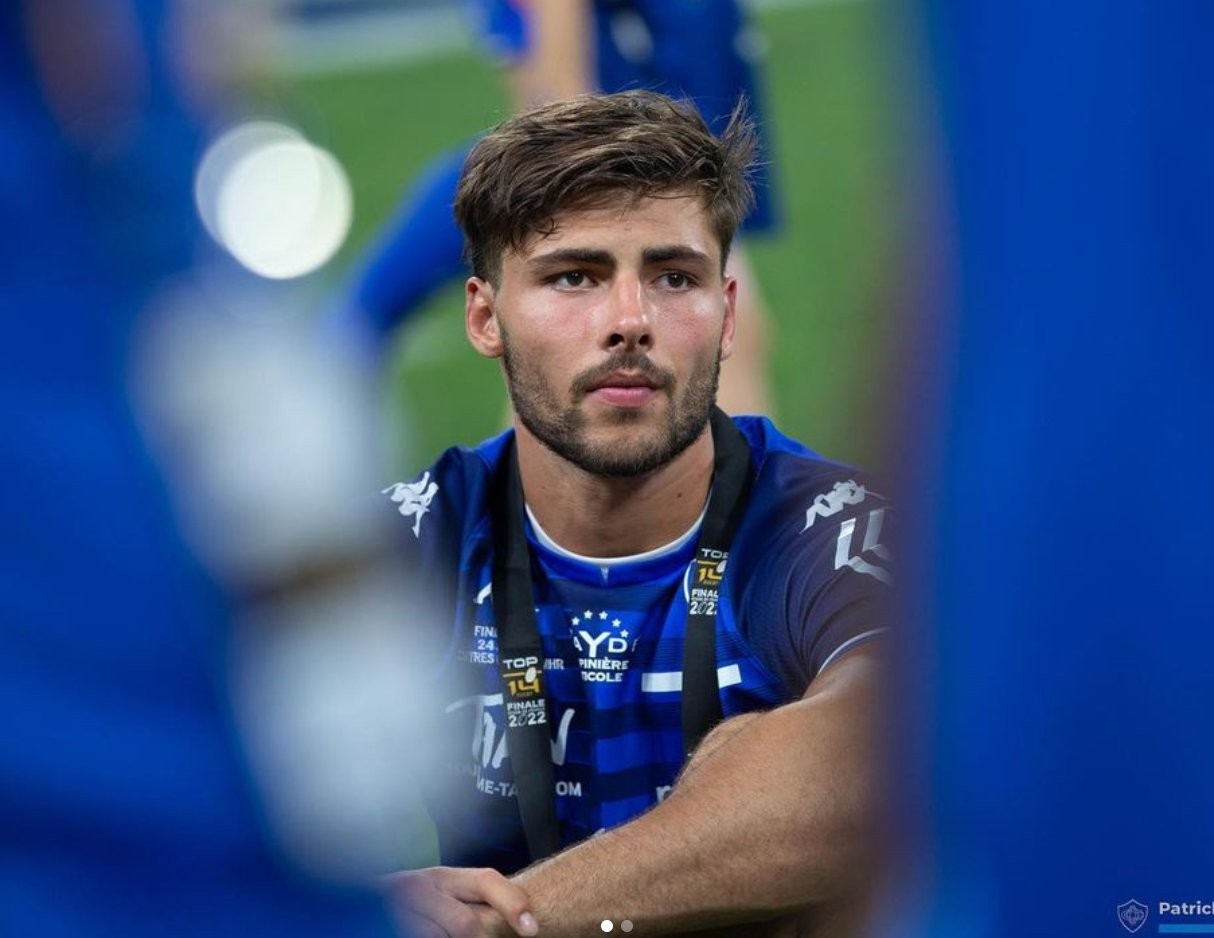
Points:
(674, 252)
(560, 256)
(600, 258)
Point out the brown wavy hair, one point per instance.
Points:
(594, 150)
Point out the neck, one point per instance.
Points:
(605, 516)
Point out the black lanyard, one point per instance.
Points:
(521, 653)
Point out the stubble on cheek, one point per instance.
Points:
(561, 426)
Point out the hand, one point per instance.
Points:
(450, 902)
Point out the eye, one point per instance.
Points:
(571, 279)
(676, 280)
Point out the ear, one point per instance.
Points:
(727, 327)
(480, 318)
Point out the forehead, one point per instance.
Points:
(629, 228)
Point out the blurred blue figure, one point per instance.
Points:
(703, 50)
(125, 808)
(1065, 698)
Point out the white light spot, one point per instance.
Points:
(606, 926)
(279, 204)
(224, 154)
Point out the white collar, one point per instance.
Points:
(606, 563)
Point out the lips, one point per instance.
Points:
(627, 381)
(618, 379)
(624, 389)
(635, 396)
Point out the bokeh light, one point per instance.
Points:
(278, 203)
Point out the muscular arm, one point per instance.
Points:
(774, 813)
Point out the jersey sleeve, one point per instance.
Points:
(435, 516)
(824, 585)
(844, 596)
(436, 512)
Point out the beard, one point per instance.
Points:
(561, 427)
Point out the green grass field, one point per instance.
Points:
(830, 277)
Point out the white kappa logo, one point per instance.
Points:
(413, 499)
(872, 552)
(834, 501)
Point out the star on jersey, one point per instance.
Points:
(602, 644)
(589, 618)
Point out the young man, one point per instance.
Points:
(707, 51)
(629, 565)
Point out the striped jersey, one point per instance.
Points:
(805, 582)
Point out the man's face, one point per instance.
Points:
(611, 331)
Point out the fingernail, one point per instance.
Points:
(527, 924)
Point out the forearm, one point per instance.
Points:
(718, 737)
(778, 817)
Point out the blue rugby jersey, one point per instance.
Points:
(805, 581)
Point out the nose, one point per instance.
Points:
(629, 325)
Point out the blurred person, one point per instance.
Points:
(704, 50)
(662, 623)
(127, 804)
(1055, 759)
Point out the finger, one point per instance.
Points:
(491, 921)
(419, 896)
(451, 919)
(490, 887)
(417, 927)
(409, 920)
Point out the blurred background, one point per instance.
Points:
(387, 85)
(992, 284)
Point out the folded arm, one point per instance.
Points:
(774, 814)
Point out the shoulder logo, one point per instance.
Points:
(871, 553)
(840, 497)
(413, 499)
